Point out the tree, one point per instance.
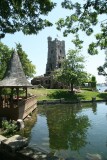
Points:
(5, 54)
(24, 15)
(84, 17)
(93, 82)
(28, 67)
(72, 71)
(102, 69)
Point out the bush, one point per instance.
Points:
(9, 127)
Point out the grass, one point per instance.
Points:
(51, 94)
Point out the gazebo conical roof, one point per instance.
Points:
(14, 75)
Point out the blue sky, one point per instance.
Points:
(36, 46)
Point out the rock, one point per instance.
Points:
(93, 156)
(30, 154)
(43, 156)
(20, 124)
(2, 138)
(14, 143)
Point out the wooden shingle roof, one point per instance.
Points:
(14, 75)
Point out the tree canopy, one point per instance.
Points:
(5, 54)
(72, 71)
(87, 17)
(84, 17)
(102, 70)
(28, 67)
(24, 15)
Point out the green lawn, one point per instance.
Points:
(50, 94)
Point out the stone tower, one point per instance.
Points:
(56, 53)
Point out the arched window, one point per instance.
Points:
(59, 65)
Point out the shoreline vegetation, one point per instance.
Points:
(85, 94)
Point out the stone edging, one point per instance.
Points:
(62, 101)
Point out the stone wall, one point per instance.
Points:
(56, 53)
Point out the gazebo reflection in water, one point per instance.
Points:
(14, 101)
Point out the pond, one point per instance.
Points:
(72, 131)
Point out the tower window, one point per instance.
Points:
(50, 66)
(59, 65)
(51, 51)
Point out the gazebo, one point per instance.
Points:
(14, 105)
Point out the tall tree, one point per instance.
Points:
(72, 71)
(5, 54)
(24, 15)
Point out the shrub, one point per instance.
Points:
(9, 127)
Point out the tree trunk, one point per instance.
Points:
(72, 87)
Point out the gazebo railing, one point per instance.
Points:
(17, 108)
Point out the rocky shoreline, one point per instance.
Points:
(16, 148)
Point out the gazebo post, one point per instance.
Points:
(0, 97)
(0, 91)
(17, 91)
(11, 97)
(5, 100)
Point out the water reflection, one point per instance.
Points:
(66, 128)
(94, 107)
(72, 131)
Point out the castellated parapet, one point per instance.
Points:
(56, 53)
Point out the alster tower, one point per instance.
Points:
(56, 53)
